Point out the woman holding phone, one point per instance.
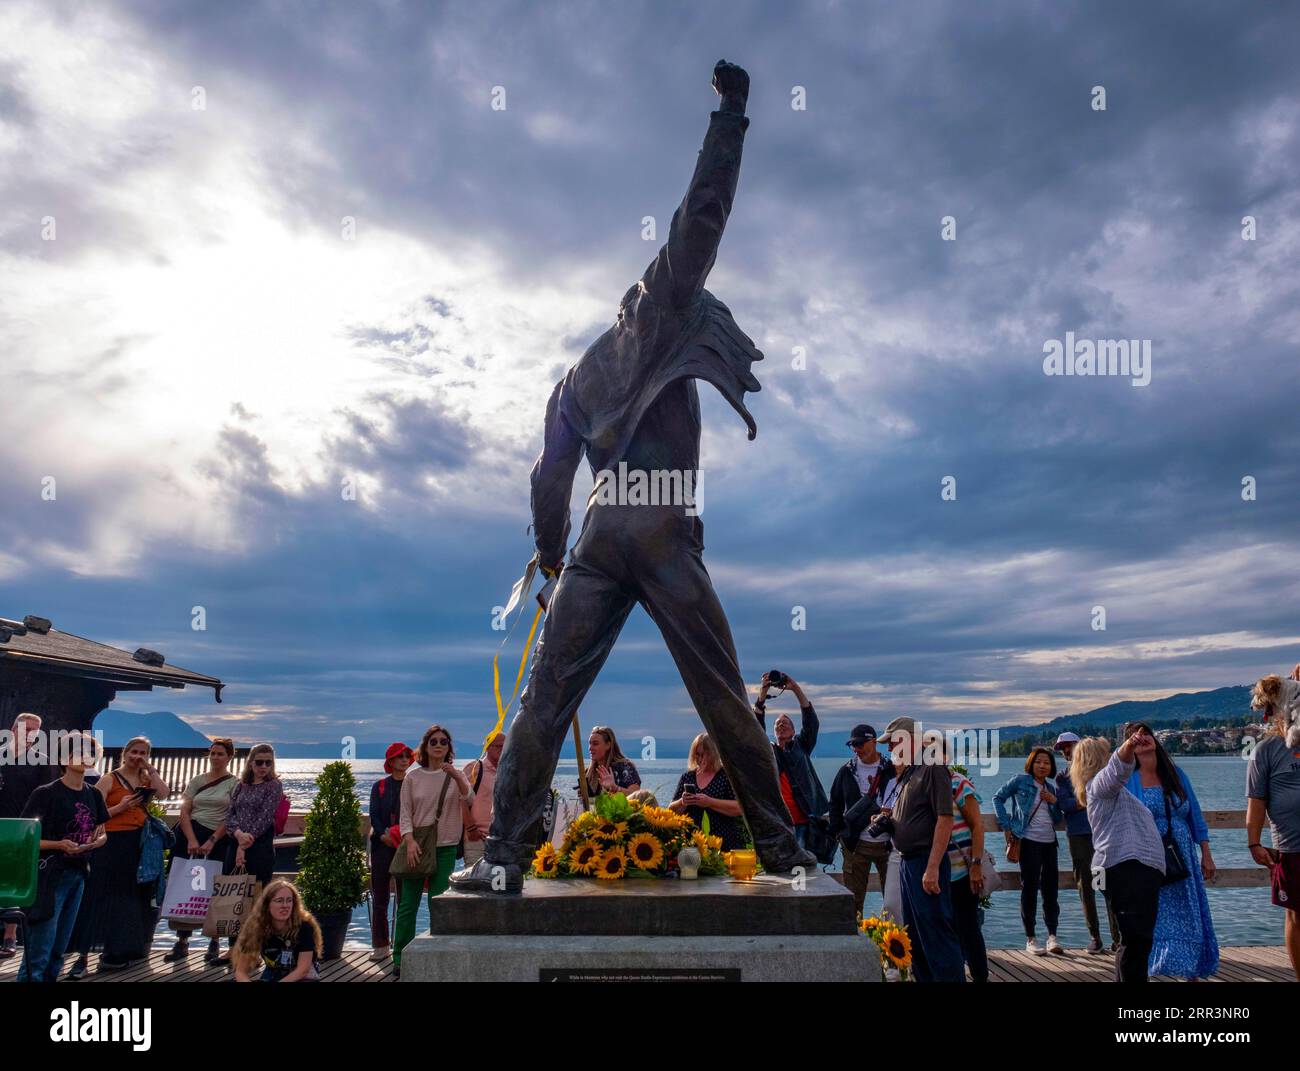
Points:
(116, 911)
(705, 787)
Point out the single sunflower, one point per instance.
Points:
(584, 857)
(645, 851)
(609, 832)
(898, 947)
(545, 861)
(612, 864)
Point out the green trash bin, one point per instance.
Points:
(20, 848)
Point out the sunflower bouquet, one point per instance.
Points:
(892, 941)
(623, 838)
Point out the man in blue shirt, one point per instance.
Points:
(1079, 834)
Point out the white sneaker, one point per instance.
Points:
(377, 954)
(1054, 946)
(1034, 948)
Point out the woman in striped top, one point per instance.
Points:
(965, 860)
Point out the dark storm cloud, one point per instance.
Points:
(925, 357)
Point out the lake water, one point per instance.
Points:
(1241, 916)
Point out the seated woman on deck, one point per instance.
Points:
(281, 935)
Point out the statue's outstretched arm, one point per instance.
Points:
(678, 273)
(552, 484)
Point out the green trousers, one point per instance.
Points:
(408, 904)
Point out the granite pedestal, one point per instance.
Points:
(713, 929)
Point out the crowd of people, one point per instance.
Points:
(1133, 825)
(97, 886)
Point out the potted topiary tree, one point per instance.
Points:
(332, 860)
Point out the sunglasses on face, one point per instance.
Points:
(439, 741)
(262, 762)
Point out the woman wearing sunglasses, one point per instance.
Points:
(431, 824)
(250, 821)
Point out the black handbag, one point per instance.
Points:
(1175, 865)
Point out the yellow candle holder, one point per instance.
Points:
(742, 864)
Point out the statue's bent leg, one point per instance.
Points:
(584, 619)
(682, 602)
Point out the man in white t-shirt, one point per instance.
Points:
(855, 796)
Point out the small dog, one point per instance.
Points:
(1280, 695)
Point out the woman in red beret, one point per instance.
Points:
(385, 807)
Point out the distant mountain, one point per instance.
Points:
(162, 727)
(1232, 702)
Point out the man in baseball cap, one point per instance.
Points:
(856, 795)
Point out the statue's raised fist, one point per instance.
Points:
(730, 80)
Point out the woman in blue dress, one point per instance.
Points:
(1185, 945)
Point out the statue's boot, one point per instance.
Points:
(785, 865)
(486, 876)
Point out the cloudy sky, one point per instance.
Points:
(202, 353)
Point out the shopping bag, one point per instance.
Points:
(189, 890)
(233, 896)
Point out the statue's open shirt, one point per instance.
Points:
(669, 329)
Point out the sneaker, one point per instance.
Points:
(1114, 945)
(78, 970)
(1054, 946)
(1034, 948)
(178, 953)
(1094, 947)
(397, 973)
(8, 948)
(212, 956)
(380, 953)
(107, 966)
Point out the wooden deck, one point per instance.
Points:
(1244, 964)
(354, 965)
(1251, 963)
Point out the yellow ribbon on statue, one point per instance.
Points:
(519, 677)
(518, 595)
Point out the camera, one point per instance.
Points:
(881, 826)
(777, 679)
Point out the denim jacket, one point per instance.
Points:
(1022, 791)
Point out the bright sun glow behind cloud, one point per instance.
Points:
(184, 281)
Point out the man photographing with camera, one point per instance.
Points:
(800, 787)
